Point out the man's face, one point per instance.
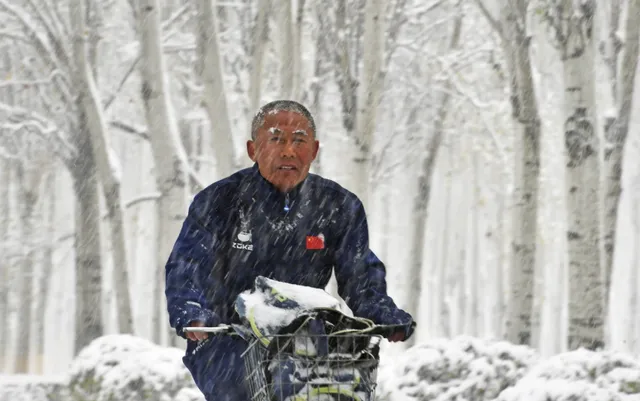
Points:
(284, 148)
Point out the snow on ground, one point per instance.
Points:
(111, 368)
(463, 368)
(580, 375)
(33, 388)
(127, 368)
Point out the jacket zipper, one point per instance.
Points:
(286, 203)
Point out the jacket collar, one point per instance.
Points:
(256, 188)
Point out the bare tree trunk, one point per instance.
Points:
(573, 33)
(474, 264)
(461, 246)
(288, 58)
(296, 90)
(27, 199)
(5, 179)
(47, 267)
(169, 156)
(444, 308)
(260, 38)
(633, 335)
(369, 94)
(107, 168)
(88, 320)
(421, 201)
(616, 131)
(319, 71)
(527, 159)
(499, 307)
(209, 68)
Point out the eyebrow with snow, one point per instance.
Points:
(274, 131)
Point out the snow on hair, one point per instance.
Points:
(276, 106)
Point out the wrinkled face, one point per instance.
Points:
(284, 148)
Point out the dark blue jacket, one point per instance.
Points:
(241, 227)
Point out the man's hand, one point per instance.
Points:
(197, 335)
(397, 336)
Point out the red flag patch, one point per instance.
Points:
(315, 242)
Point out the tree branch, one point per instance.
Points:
(124, 79)
(130, 129)
(142, 198)
(492, 20)
(43, 126)
(40, 44)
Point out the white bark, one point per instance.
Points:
(260, 38)
(289, 60)
(169, 156)
(633, 331)
(572, 30)
(107, 167)
(499, 306)
(296, 91)
(88, 315)
(42, 300)
(474, 263)
(460, 244)
(27, 199)
(5, 179)
(369, 94)
(623, 78)
(444, 268)
(209, 68)
(421, 200)
(527, 171)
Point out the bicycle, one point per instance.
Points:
(305, 362)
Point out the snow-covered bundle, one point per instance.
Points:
(580, 375)
(302, 347)
(128, 368)
(461, 369)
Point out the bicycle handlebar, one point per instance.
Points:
(223, 328)
(382, 330)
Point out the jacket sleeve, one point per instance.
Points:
(361, 276)
(192, 253)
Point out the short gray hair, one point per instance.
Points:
(280, 105)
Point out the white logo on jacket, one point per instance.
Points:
(244, 236)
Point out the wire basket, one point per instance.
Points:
(305, 367)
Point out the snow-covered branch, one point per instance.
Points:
(17, 118)
(493, 21)
(53, 30)
(142, 198)
(41, 44)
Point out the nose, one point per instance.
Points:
(287, 149)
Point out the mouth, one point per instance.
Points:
(288, 167)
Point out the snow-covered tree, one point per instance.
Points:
(427, 167)
(170, 160)
(621, 57)
(511, 26)
(572, 33)
(107, 166)
(209, 68)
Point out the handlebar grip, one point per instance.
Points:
(222, 329)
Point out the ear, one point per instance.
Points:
(251, 150)
(316, 148)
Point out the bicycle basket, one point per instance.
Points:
(290, 368)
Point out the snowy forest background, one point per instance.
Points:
(493, 143)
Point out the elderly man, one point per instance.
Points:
(276, 220)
